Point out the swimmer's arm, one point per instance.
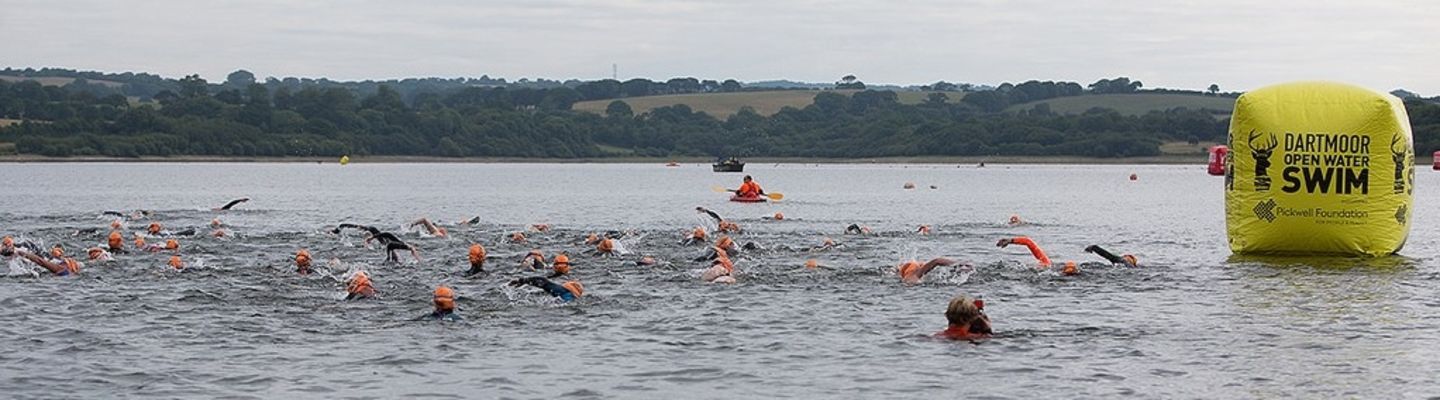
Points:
(232, 203)
(925, 269)
(713, 215)
(1105, 254)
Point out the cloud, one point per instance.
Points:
(1189, 44)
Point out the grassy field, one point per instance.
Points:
(7, 122)
(7, 148)
(722, 105)
(53, 81)
(1132, 104)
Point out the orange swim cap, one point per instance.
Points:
(725, 242)
(95, 253)
(302, 258)
(139, 242)
(698, 233)
(517, 237)
(215, 222)
(57, 251)
(562, 259)
(779, 216)
(477, 253)
(592, 239)
(8, 241)
(1131, 260)
(115, 224)
(172, 244)
(444, 298)
(154, 228)
(360, 282)
(908, 267)
(115, 240)
(575, 288)
(176, 263)
(812, 264)
(606, 246)
(1069, 269)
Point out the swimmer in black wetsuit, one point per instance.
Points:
(856, 229)
(1126, 260)
(392, 245)
(232, 203)
(372, 230)
(712, 214)
(566, 292)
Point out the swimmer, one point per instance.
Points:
(542, 228)
(232, 203)
(911, 272)
(302, 262)
(430, 227)
(1015, 220)
(1069, 269)
(97, 254)
(444, 305)
(721, 224)
(696, 236)
(533, 260)
(393, 245)
(712, 214)
(646, 261)
(116, 242)
(153, 229)
(592, 239)
(470, 222)
(1030, 244)
(219, 233)
(477, 259)
(777, 217)
(139, 242)
(924, 230)
(176, 263)
(856, 229)
(967, 320)
(827, 244)
(561, 266)
(566, 292)
(723, 245)
(518, 237)
(85, 232)
(606, 248)
(721, 270)
(372, 230)
(359, 287)
(1126, 260)
(63, 266)
(215, 223)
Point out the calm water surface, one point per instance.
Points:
(1194, 322)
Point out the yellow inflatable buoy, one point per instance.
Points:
(344, 160)
(1319, 168)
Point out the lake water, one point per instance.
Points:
(1193, 322)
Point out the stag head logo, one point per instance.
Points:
(1261, 153)
(1399, 155)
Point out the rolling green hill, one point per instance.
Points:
(722, 105)
(54, 81)
(1132, 104)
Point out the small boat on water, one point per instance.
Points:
(672, 164)
(729, 165)
(748, 199)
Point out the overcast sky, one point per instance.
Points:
(1239, 44)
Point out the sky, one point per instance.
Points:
(1239, 45)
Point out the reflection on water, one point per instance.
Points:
(1193, 321)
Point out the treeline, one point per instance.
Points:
(196, 119)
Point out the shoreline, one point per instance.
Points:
(1196, 159)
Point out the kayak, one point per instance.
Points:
(748, 199)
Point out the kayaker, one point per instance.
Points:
(967, 320)
(749, 189)
(1126, 260)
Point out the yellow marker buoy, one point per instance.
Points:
(344, 160)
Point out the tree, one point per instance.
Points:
(936, 99)
(1213, 89)
(850, 82)
(239, 79)
(730, 85)
(192, 86)
(619, 109)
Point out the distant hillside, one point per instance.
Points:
(55, 81)
(722, 105)
(1132, 104)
